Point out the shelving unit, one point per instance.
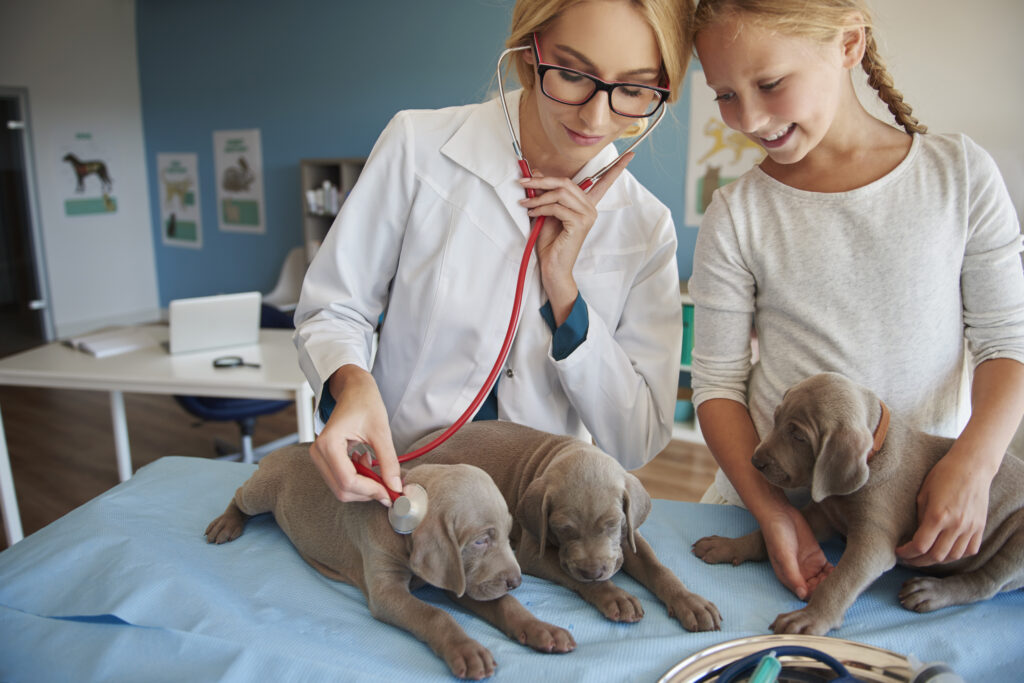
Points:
(689, 429)
(342, 173)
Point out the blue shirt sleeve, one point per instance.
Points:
(571, 333)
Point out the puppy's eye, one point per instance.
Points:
(797, 435)
(566, 533)
(482, 541)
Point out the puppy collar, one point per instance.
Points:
(880, 430)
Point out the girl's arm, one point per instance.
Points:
(796, 557)
(952, 504)
(953, 500)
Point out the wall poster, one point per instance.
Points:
(717, 154)
(180, 216)
(86, 175)
(238, 165)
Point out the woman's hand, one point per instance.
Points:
(952, 507)
(571, 213)
(795, 554)
(359, 417)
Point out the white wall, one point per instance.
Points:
(78, 62)
(960, 66)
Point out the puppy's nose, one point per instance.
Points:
(759, 462)
(512, 582)
(592, 574)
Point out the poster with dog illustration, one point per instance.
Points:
(180, 216)
(238, 165)
(717, 154)
(86, 174)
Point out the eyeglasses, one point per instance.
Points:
(570, 86)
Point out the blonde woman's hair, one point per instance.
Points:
(820, 20)
(669, 19)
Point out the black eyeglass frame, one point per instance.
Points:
(599, 85)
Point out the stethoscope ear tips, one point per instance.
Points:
(409, 509)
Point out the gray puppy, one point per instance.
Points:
(864, 469)
(577, 514)
(460, 546)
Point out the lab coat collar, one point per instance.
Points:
(482, 146)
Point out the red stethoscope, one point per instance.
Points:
(409, 507)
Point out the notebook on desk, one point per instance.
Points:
(211, 322)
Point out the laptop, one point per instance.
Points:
(211, 322)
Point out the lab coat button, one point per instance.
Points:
(509, 373)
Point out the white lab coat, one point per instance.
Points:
(432, 236)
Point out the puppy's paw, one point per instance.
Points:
(694, 612)
(227, 527)
(925, 594)
(613, 602)
(719, 549)
(545, 637)
(804, 621)
(469, 659)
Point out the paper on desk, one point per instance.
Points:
(113, 341)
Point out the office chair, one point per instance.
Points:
(244, 411)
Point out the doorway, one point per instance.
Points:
(25, 320)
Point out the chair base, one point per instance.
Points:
(249, 454)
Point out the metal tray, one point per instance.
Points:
(866, 662)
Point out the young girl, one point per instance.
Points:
(432, 235)
(855, 247)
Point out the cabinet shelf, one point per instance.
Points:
(342, 174)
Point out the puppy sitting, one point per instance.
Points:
(576, 513)
(864, 469)
(460, 546)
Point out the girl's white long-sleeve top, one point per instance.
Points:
(430, 240)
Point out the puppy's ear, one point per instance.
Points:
(436, 555)
(636, 503)
(532, 511)
(841, 464)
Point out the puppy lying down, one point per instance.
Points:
(830, 434)
(577, 514)
(460, 546)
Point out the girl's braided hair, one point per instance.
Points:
(818, 20)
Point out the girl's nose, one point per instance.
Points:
(750, 117)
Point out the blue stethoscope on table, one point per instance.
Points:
(407, 510)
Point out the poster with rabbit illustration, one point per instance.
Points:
(717, 154)
(180, 216)
(238, 165)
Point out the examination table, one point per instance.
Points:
(125, 588)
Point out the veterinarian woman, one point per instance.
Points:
(432, 235)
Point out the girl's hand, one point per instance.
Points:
(571, 213)
(952, 507)
(796, 557)
(358, 418)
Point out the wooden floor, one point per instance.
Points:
(62, 448)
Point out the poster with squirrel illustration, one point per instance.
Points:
(238, 165)
(180, 216)
(717, 154)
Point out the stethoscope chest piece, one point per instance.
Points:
(409, 509)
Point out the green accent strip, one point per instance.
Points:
(85, 207)
(240, 212)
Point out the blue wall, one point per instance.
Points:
(319, 78)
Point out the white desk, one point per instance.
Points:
(153, 370)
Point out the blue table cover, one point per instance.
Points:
(125, 588)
